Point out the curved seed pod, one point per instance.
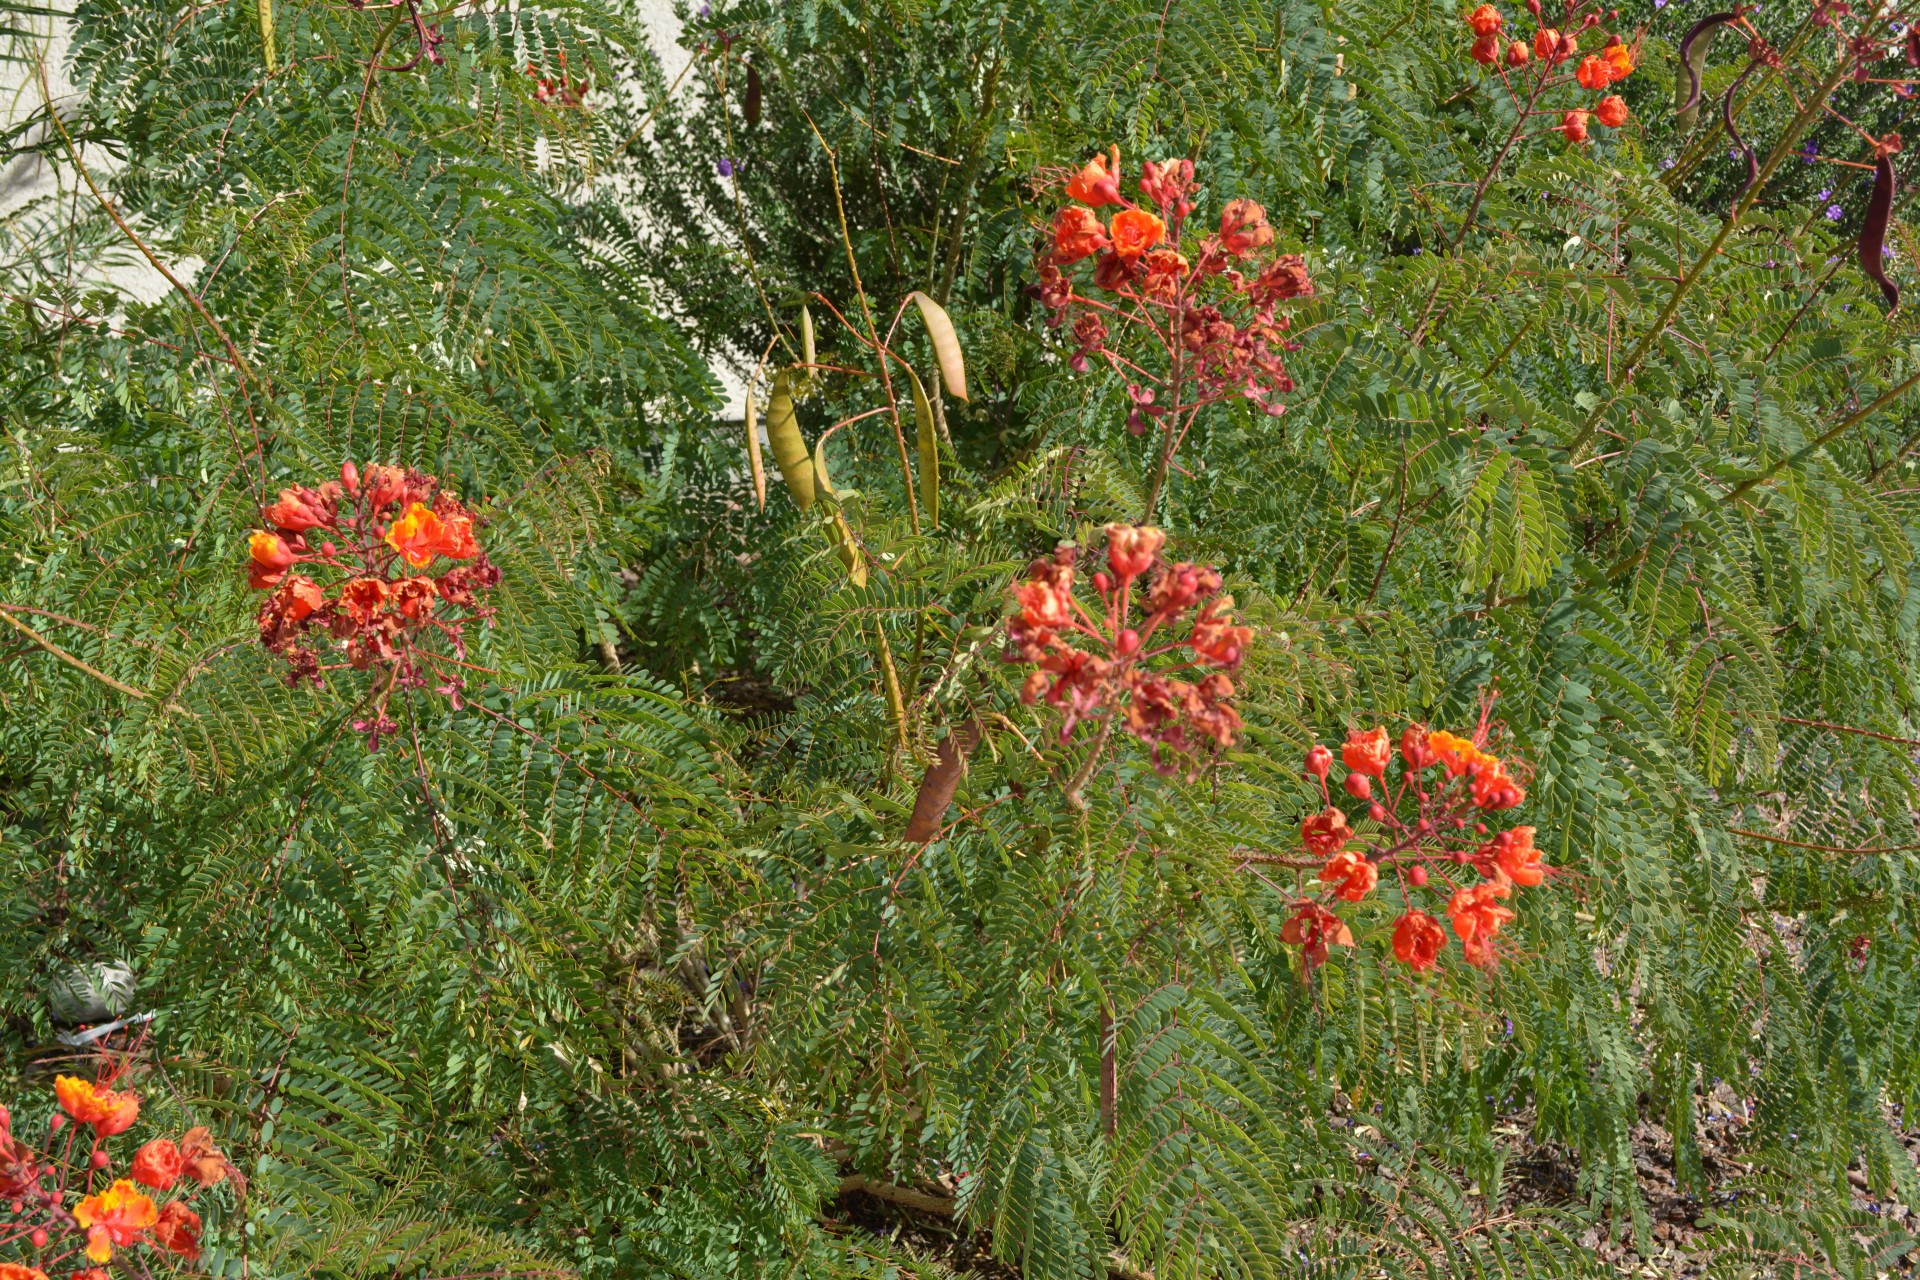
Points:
(789, 449)
(751, 106)
(806, 336)
(929, 450)
(840, 533)
(753, 454)
(1693, 62)
(941, 780)
(946, 345)
(1873, 234)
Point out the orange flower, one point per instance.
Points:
(456, 532)
(416, 535)
(205, 1163)
(299, 510)
(1324, 833)
(1552, 46)
(1093, 185)
(1518, 53)
(1619, 59)
(1215, 638)
(1417, 940)
(116, 1216)
(91, 1273)
(1044, 605)
(1592, 73)
(1492, 789)
(178, 1230)
(1135, 231)
(299, 596)
(1511, 854)
(1132, 549)
(269, 558)
(1486, 21)
(363, 598)
(1243, 227)
(1367, 752)
(1612, 111)
(1353, 874)
(1477, 917)
(1076, 234)
(16, 1271)
(1486, 50)
(1164, 269)
(1313, 927)
(158, 1164)
(415, 597)
(107, 1110)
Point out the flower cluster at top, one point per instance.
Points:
(1120, 664)
(375, 532)
(1531, 70)
(65, 1200)
(1210, 304)
(1427, 828)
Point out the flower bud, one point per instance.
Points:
(1377, 811)
(350, 476)
(1129, 642)
(39, 1237)
(1480, 828)
(99, 1159)
(58, 1122)
(1486, 50)
(1358, 786)
(1319, 762)
(1417, 877)
(1533, 7)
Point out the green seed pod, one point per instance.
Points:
(789, 449)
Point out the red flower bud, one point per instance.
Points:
(350, 476)
(1486, 50)
(1320, 762)
(1377, 811)
(1129, 643)
(39, 1237)
(1417, 877)
(1486, 21)
(1358, 786)
(99, 1159)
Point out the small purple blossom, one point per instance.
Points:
(1810, 152)
(1835, 213)
(725, 167)
(706, 11)
(1667, 163)
(1886, 251)
(1824, 194)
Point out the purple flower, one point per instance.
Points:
(1667, 163)
(1659, 4)
(1824, 194)
(706, 11)
(1886, 251)
(1835, 213)
(1417, 251)
(1810, 152)
(725, 167)
(1509, 1026)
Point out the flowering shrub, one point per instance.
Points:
(1431, 823)
(60, 1204)
(1210, 305)
(1121, 663)
(374, 533)
(1536, 73)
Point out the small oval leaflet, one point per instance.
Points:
(946, 345)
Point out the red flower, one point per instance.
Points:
(418, 535)
(1518, 54)
(1477, 917)
(1493, 790)
(414, 598)
(1486, 50)
(1592, 73)
(1413, 747)
(297, 597)
(1243, 227)
(205, 1163)
(386, 487)
(1326, 832)
(269, 558)
(1164, 270)
(301, 509)
(178, 1230)
(1417, 940)
(1552, 46)
(1093, 185)
(1511, 854)
(19, 1271)
(1486, 21)
(1132, 549)
(1367, 752)
(116, 1216)
(1076, 234)
(1312, 927)
(1135, 231)
(1177, 586)
(1046, 603)
(1216, 639)
(456, 531)
(1352, 873)
(1619, 59)
(158, 1164)
(107, 1110)
(363, 599)
(1285, 277)
(1612, 111)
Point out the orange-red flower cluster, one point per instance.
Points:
(1124, 662)
(1216, 297)
(379, 534)
(47, 1199)
(1553, 47)
(1428, 823)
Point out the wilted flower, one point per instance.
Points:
(1574, 125)
(1352, 875)
(158, 1164)
(1243, 227)
(1077, 234)
(178, 1230)
(1325, 832)
(1312, 928)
